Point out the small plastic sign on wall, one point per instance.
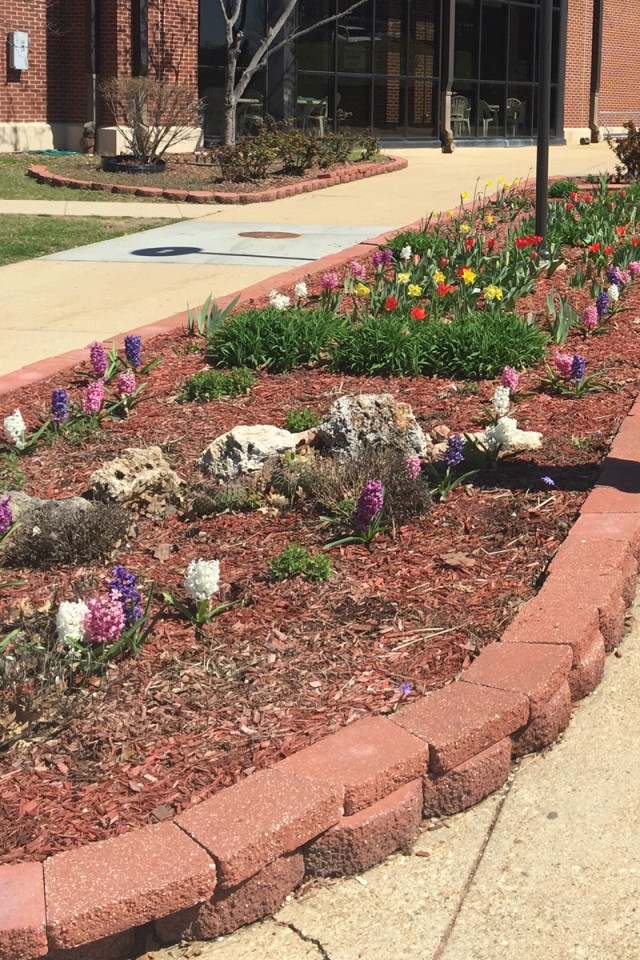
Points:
(18, 50)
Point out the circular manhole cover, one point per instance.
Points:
(269, 235)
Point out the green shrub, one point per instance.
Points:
(334, 148)
(301, 418)
(627, 150)
(277, 339)
(211, 384)
(296, 560)
(562, 188)
(387, 344)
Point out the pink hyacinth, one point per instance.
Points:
(330, 282)
(94, 397)
(104, 621)
(625, 276)
(590, 317)
(357, 270)
(413, 466)
(634, 268)
(126, 383)
(564, 363)
(510, 379)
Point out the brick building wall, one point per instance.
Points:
(23, 94)
(578, 69)
(620, 81)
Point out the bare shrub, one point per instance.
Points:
(46, 535)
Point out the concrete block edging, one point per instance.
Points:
(357, 795)
(354, 171)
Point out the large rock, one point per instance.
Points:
(245, 450)
(139, 478)
(370, 420)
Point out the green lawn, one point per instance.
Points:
(16, 185)
(23, 237)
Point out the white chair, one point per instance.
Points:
(318, 116)
(487, 117)
(249, 115)
(460, 114)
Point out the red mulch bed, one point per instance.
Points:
(191, 715)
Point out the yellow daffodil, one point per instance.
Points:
(489, 183)
(438, 276)
(414, 290)
(403, 277)
(464, 228)
(436, 213)
(464, 195)
(492, 292)
(507, 186)
(490, 218)
(516, 182)
(362, 290)
(450, 213)
(500, 179)
(467, 275)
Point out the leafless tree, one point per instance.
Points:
(236, 83)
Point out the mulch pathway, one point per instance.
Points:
(192, 714)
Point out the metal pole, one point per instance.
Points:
(544, 121)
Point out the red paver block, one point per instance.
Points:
(469, 783)
(551, 617)
(149, 191)
(369, 837)
(249, 825)
(587, 673)
(226, 197)
(609, 526)
(127, 189)
(200, 196)
(611, 499)
(257, 897)
(369, 759)
(103, 187)
(595, 568)
(23, 931)
(547, 723)
(121, 946)
(535, 670)
(461, 720)
(107, 887)
(175, 194)
(626, 443)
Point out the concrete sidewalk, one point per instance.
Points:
(48, 307)
(546, 869)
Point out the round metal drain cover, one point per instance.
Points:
(269, 235)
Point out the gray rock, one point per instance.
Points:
(245, 450)
(370, 419)
(139, 478)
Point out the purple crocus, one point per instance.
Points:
(602, 304)
(94, 397)
(59, 405)
(454, 452)
(369, 505)
(578, 366)
(124, 590)
(548, 481)
(99, 359)
(133, 350)
(6, 515)
(405, 688)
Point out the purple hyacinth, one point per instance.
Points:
(590, 317)
(59, 405)
(369, 505)
(99, 359)
(133, 350)
(602, 304)
(548, 481)
(578, 366)
(454, 453)
(382, 258)
(6, 515)
(124, 590)
(615, 276)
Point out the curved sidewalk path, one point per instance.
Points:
(48, 307)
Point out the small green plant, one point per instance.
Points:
(301, 418)
(212, 384)
(297, 561)
(12, 476)
(561, 317)
(236, 497)
(562, 188)
(204, 321)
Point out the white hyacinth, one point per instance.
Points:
(405, 253)
(15, 429)
(279, 300)
(501, 434)
(202, 579)
(613, 293)
(500, 401)
(300, 290)
(70, 620)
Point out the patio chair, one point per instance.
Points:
(487, 117)
(515, 117)
(460, 114)
(318, 116)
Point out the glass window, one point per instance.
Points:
(315, 49)
(354, 38)
(466, 40)
(390, 37)
(389, 97)
(354, 101)
(522, 44)
(493, 40)
(424, 39)
(422, 108)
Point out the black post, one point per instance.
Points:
(544, 122)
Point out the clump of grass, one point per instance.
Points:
(12, 476)
(297, 561)
(237, 497)
(562, 188)
(212, 384)
(301, 418)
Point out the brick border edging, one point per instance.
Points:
(357, 795)
(344, 174)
